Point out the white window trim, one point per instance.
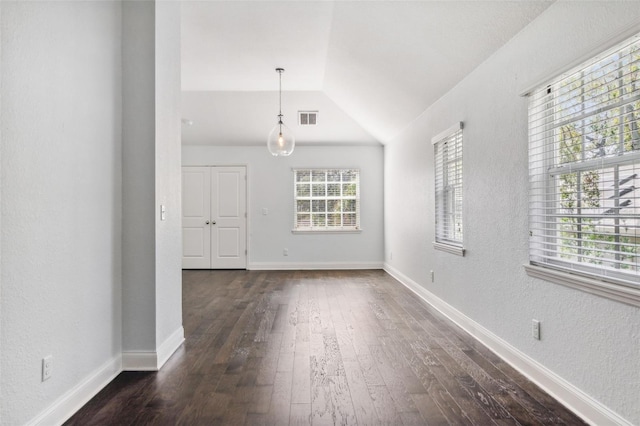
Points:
(614, 291)
(609, 287)
(327, 230)
(448, 247)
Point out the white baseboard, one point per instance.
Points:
(309, 266)
(589, 409)
(69, 403)
(139, 361)
(152, 360)
(169, 346)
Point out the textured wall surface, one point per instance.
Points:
(168, 171)
(271, 186)
(589, 341)
(61, 207)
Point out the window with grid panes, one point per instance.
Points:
(447, 149)
(584, 165)
(327, 199)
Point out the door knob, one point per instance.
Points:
(213, 222)
(206, 223)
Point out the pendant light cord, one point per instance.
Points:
(280, 70)
(280, 92)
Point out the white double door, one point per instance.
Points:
(214, 223)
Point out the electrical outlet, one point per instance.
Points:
(433, 276)
(47, 367)
(390, 255)
(285, 252)
(536, 329)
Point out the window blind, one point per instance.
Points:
(326, 199)
(584, 168)
(448, 186)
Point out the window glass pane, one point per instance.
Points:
(319, 190)
(348, 205)
(319, 220)
(349, 175)
(303, 190)
(598, 217)
(304, 205)
(334, 219)
(333, 189)
(349, 219)
(348, 189)
(319, 175)
(304, 220)
(333, 175)
(303, 176)
(319, 205)
(333, 205)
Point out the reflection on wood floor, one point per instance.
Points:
(320, 347)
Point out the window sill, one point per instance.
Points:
(617, 292)
(449, 248)
(326, 231)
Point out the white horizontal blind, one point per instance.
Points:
(326, 199)
(584, 168)
(448, 185)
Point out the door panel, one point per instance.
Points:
(228, 191)
(196, 212)
(193, 242)
(228, 207)
(228, 242)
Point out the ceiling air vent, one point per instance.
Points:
(308, 118)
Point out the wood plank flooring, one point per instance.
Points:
(321, 348)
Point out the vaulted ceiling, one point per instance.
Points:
(368, 67)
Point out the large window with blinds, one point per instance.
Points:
(447, 148)
(326, 199)
(584, 167)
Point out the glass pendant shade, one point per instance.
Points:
(281, 141)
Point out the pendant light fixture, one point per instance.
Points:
(281, 141)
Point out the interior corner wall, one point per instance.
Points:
(138, 175)
(61, 111)
(270, 186)
(589, 341)
(151, 252)
(168, 174)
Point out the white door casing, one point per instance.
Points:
(214, 218)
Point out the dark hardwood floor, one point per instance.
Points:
(320, 347)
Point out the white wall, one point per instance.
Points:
(61, 199)
(589, 341)
(151, 248)
(271, 186)
(1, 127)
(168, 189)
(138, 175)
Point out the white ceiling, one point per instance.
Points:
(368, 67)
